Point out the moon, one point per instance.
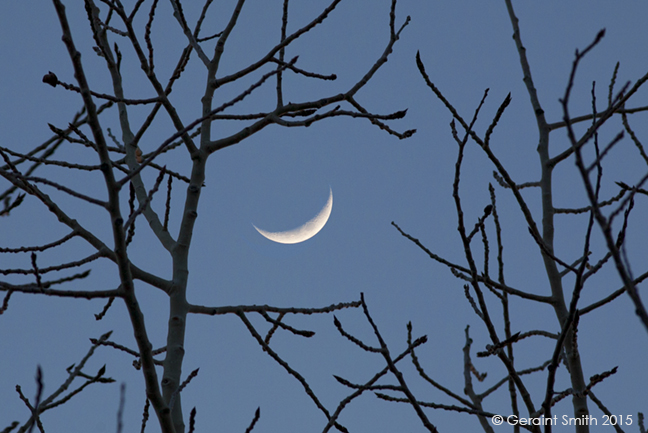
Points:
(305, 231)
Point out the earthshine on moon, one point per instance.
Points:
(303, 232)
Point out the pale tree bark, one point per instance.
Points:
(126, 170)
(123, 168)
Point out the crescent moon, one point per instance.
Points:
(305, 231)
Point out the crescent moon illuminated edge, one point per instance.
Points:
(303, 232)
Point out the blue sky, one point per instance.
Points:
(280, 178)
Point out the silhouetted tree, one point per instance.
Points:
(135, 170)
(567, 277)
